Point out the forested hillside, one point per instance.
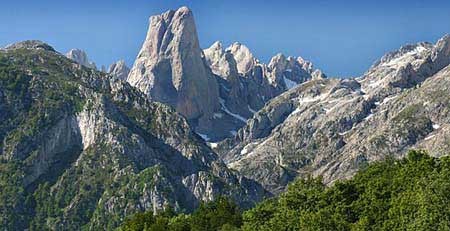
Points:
(408, 194)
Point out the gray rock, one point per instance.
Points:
(103, 145)
(170, 68)
(216, 89)
(80, 57)
(244, 58)
(222, 63)
(30, 44)
(119, 70)
(332, 127)
(245, 84)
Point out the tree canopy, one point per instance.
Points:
(408, 194)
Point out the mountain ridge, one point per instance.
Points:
(83, 149)
(173, 69)
(331, 127)
(87, 149)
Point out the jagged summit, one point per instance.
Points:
(102, 144)
(119, 70)
(80, 57)
(170, 68)
(409, 65)
(30, 44)
(221, 62)
(244, 58)
(216, 89)
(404, 55)
(332, 127)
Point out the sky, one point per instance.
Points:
(341, 37)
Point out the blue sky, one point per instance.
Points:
(343, 38)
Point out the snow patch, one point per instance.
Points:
(244, 151)
(217, 115)
(204, 137)
(251, 109)
(246, 147)
(363, 91)
(429, 137)
(387, 99)
(368, 116)
(309, 99)
(297, 110)
(225, 109)
(344, 133)
(406, 58)
(212, 145)
(289, 83)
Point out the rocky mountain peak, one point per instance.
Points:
(403, 68)
(244, 58)
(404, 55)
(277, 65)
(80, 57)
(119, 70)
(331, 127)
(30, 44)
(441, 52)
(217, 45)
(180, 24)
(103, 137)
(278, 61)
(216, 89)
(318, 74)
(443, 43)
(170, 68)
(306, 65)
(290, 71)
(221, 62)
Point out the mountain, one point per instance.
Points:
(170, 69)
(406, 194)
(216, 89)
(119, 70)
(81, 149)
(80, 57)
(332, 127)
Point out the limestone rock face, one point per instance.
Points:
(170, 68)
(119, 70)
(94, 149)
(221, 62)
(80, 57)
(441, 52)
(244, 58)
(245, 84)
(332, 127)
(288, 72)
(216, 89)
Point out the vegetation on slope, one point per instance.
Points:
(80, 151)
(408, 194)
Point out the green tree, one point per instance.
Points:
(215, 214)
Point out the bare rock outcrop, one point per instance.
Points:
(80, 57)
(119, 70)
(170, 68)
